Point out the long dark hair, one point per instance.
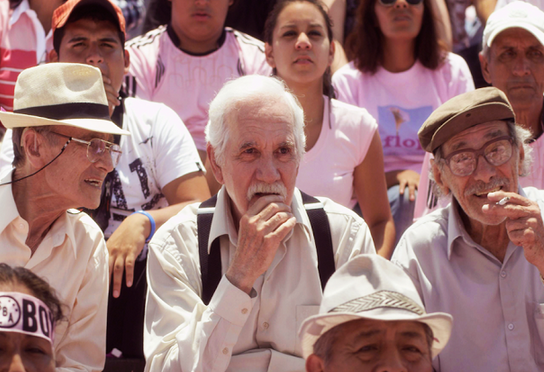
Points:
(365, 45)
(272, 20)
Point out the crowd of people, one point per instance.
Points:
(296, 185)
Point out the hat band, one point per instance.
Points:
(77, 110)
(381, 299)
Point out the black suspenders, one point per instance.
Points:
(210, 264)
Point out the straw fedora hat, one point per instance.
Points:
(61, 94)
(371, 287)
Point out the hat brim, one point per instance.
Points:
(507, 25)
(13, 120)
(315, 326)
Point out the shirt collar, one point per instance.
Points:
(23, 7)
(223, 222)
(9, 209)
(456, 228)
(60, 229)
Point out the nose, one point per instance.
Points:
(401, 4)
(521, 65)
(303, 42)
(94, 57)
(484, 171)
(267, 171)
(105, 162)
(16, 364)
(391, 361)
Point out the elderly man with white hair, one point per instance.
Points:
(261, 244)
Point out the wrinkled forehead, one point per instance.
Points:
(476, 135)
(516, 36)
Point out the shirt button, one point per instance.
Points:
(244, 311)
(503, 274)
(266, 325)
(510, 326)
(225, 351)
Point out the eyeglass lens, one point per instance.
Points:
(98, 147)
(496, 152)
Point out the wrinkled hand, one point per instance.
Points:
(408, 178)
(124, 246)
(111, 94)
(266, 223)
(523, 224)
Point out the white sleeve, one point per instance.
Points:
(182, 333)
(174, 149)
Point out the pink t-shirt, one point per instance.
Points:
(402, 101)
(327, 169)
(161, 72)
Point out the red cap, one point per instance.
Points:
(63, 12)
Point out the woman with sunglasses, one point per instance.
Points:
(343, 148)
(400, 73)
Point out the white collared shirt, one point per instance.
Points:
(238, 332)
(497, 307)
(73, 259)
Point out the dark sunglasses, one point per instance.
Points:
(392, 2)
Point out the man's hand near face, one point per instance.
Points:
(111, 93)
(262, 229)
(523, 224)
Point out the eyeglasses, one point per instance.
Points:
(496, 152)
(392, 2)
(96, 148)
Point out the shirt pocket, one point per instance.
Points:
(303, 312)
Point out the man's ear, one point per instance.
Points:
(438, 179)
(484, 65)
(53, 56)
(127, 61)
(315, 364)
(217, 171)
(269, 53)
(32, 144)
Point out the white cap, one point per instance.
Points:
(517, 14)
(371, 287)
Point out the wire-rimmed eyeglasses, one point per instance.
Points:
(96, 148)
(496, 152)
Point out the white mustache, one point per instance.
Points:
(267, 188)
(482, 187)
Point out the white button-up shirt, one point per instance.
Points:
(497, 307)
(73, 259)
(236, 331)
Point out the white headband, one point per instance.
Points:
(23, 313)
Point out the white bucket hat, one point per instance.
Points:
(61, 94)
(371, 287)
(517, 14)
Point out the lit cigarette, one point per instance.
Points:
(503, 201)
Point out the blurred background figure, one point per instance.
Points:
(401, 72)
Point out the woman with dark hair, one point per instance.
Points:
(29, 311)
(400, 73)
(343, 148)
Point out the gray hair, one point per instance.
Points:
(246, 89)
(522, 138)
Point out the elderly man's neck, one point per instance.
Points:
(494, 238)
(37, 209)
(529, 115)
